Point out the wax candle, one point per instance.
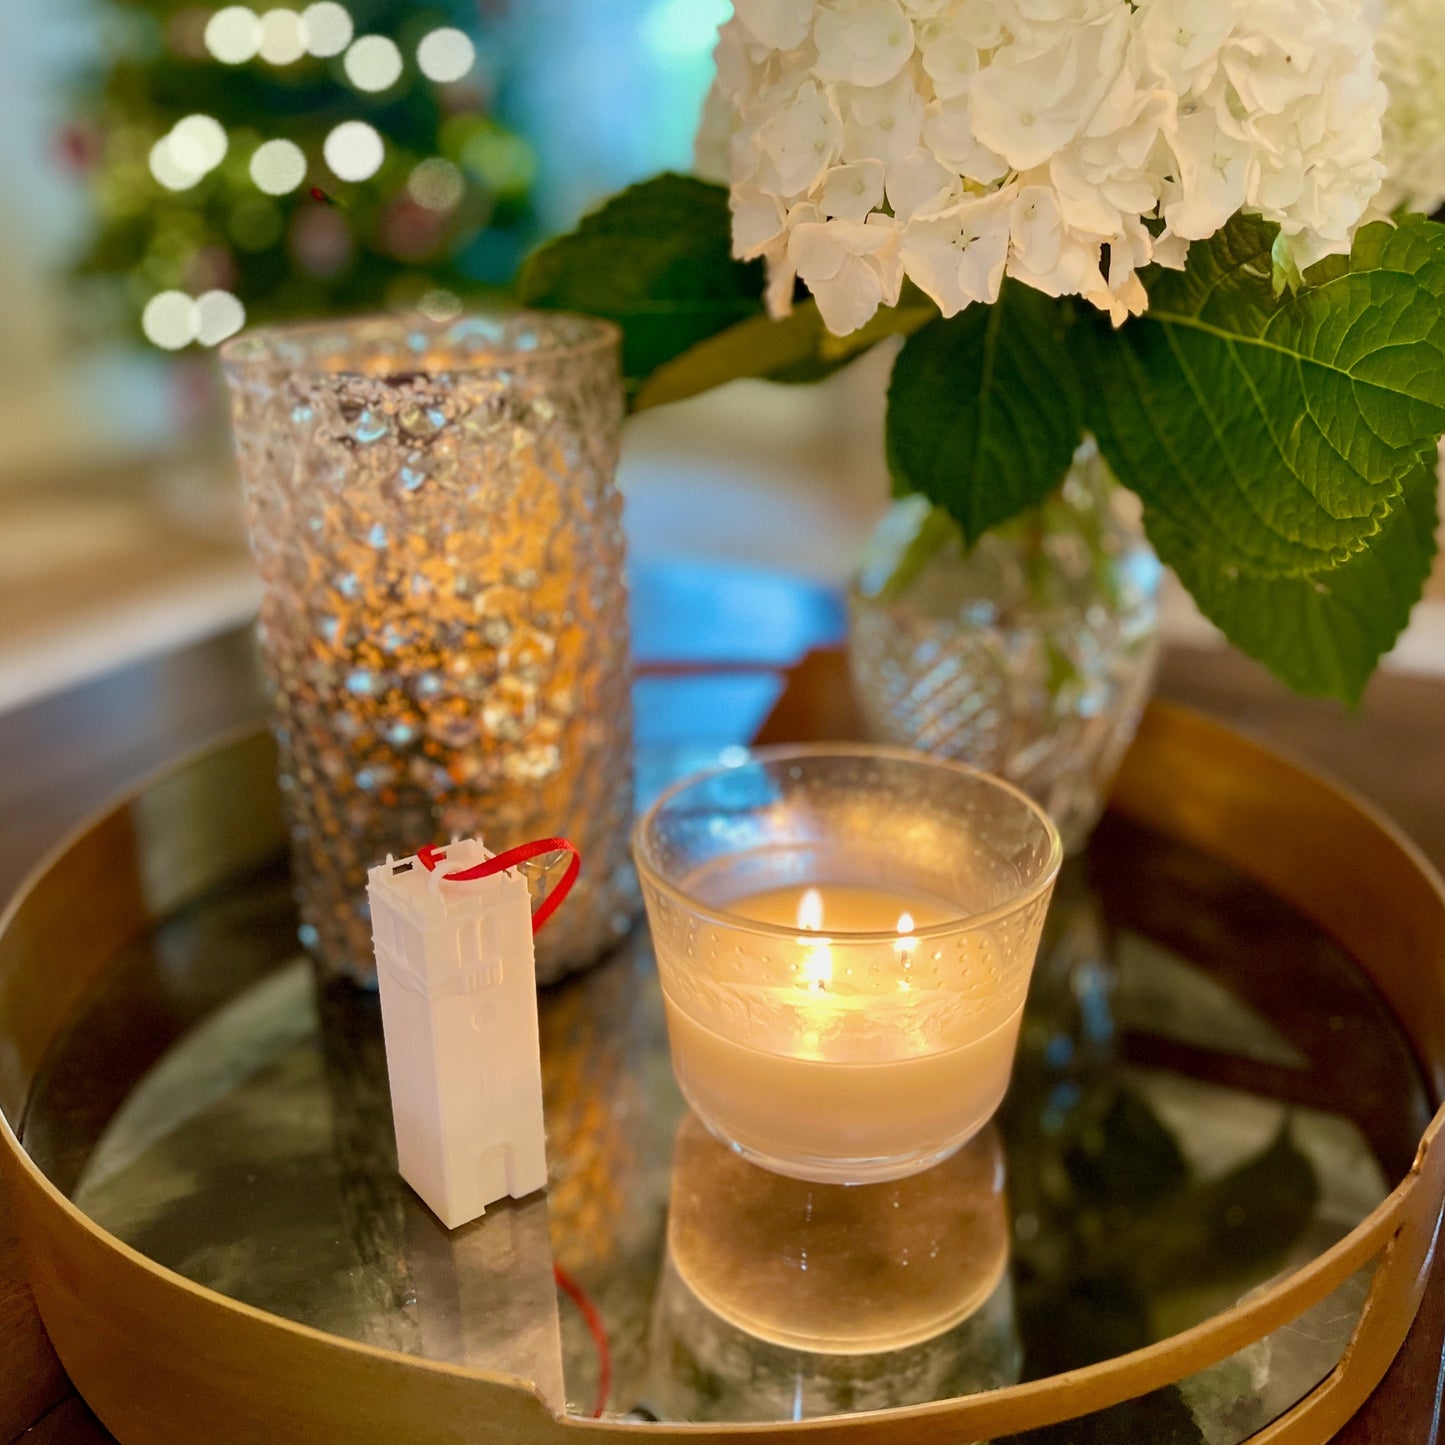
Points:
(852, 1087)
(844, 940)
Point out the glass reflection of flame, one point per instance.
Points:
(831, 1269)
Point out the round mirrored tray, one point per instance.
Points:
(1171, 1233)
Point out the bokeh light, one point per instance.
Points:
(168, 170)
(219, 314)
(446, 55)
(170, 320)
(504, 163)
(278, 167)
(198, 143)
(373, 63)
(354, 151)
(283, 37)
(440, 305)
(328, 28)
(233, 35)
(436, 184)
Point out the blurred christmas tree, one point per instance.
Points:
(252, 166)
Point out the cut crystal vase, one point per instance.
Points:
(1030, 655)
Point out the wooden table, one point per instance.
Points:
(64, 757)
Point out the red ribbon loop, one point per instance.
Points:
(525, 852)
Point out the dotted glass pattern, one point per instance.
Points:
(434, 513)
(860, 816)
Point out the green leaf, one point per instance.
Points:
(1125, 1158)
(657, 260)
(1235, 1229)
(936, 532)
(1323, 632)
(1277, 443)
(984, 410)
(1284, 269)
(798, 346)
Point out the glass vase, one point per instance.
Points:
(1030, 655)
(444, 623)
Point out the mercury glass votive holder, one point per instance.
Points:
(844, 939)
(444, 627)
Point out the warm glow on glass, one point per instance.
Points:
(278, 167)
(373, 63)
(283, 37)
(817, 957)
(810, 911)
(354, 151)
(328, 28)
(844, 938)
(446, 55)
(905, 947)
(233, 35)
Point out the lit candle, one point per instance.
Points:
(844, 942)
(919, 1087)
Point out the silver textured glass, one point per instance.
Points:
(1030, 655)
(444, 626)
(876, 1036)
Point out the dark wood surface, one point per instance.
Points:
(61, 759)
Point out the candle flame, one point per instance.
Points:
(817, 957)
(818, 964)
(810, 911)
(906, 942)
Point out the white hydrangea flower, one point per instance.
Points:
(852, 192)
(1066, 143)
(949, 60)
(851, 267)
(1411, 47)
(920, 186)
(778, 24)
(883, 122)
(862, 42)
(798, 141)
(958, 257)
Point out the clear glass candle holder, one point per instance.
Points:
(844, 939)
(434, 513)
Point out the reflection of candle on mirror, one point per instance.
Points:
(858, 1049)
(836, 1270)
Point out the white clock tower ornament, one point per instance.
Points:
(459, 1009)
